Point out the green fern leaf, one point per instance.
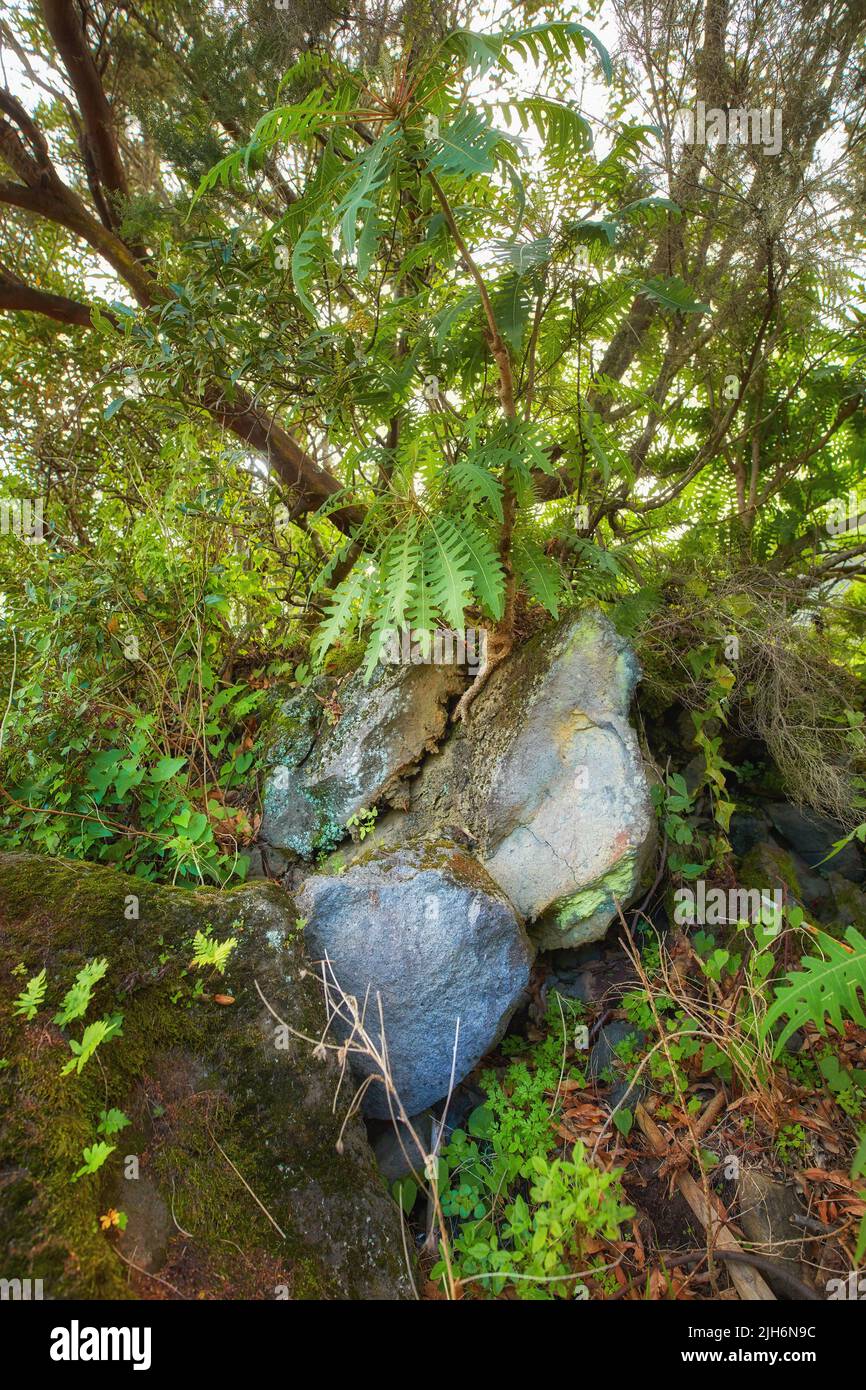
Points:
(450, 576)
(821, 989)
(466, 146)
(361, 199)
(486, 567)
(339, 610)
(307, 255)
(672, 294)
(478, 484)
(400, 568)
(540, 575)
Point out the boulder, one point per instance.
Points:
(396, 1146)
(228, 1173)
(813, 836)
(546, 782)
(767, 1212)
(323, 775)
(425, 930)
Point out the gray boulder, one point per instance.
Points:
(547, 782)
(813, 836)
(427, 931)
(323, 775)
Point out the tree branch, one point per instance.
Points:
(14, 295)
(65, 27)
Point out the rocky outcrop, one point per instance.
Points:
(228, 1173)
(323, 773)
(424, 930)
(547, 782)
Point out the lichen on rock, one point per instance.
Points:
(384, 730)
(548, 781)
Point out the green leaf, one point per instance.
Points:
(373, 168)
(489, 577)
(308, 253)
(481, 1122)
(540, 574)
(624, 1120)
(465, 147)
(30, 999)
(94, 1035)
(111, 1122)
(821, 989)
(94, 1157)
(478, 484)
(166, 768)
(77, 998)
(450, 576)
(672, 294)
(405, 1192)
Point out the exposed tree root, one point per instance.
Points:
(498, 646)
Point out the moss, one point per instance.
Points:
(849, 903)
(209, 1094)
(768, 866)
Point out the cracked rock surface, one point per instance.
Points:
(548, 782)
(323, 775)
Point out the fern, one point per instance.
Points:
(563, 130)
(360, 200)
(77, 998)
(466, 146)
(671, 293)
(30, 999)
(402, 572)
(308, 252)
(540, 574)
(207, 952)
(523, 256)
(487, 572)
(478, 485)
(821, 989)
(556, 41)
(339, 610)
(94, 1157)
(94, 1035)
(450, 579)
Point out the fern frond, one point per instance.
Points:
(399, 566)
(466, 146)
(450, 574)
(488, 575)
(564, 131)
(360, 200)
(307, 255)
(339, 610)
(540, 574)
(822, 988)
(477, 484)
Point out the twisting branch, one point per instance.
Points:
(66, 29)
